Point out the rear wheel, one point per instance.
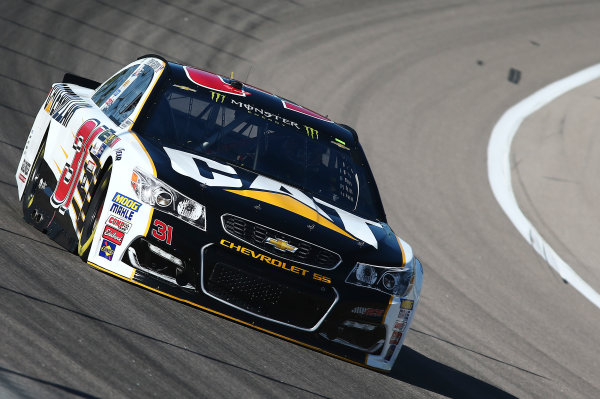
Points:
(93, 216)
(32, 185)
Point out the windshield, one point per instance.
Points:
(229, 129)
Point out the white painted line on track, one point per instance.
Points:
(499, 172)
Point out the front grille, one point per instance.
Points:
(257, 234)
(274, 295)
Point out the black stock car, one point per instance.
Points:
(225, 197)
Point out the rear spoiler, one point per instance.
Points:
(80, 81)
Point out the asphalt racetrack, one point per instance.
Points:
(424, 83)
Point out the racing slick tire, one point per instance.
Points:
(93, 215)
(32, 186)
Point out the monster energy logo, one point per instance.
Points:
(217, 97)
(313, 133)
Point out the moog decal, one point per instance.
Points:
(124, 206)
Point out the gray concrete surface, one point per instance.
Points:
(555, 164)
(423, 82)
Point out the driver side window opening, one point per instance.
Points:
(119, 96)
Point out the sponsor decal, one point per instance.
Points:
(119, 154)
(275, 262)
(162, 231)
(407, 304)
(217, 97)
(107, 249)
(122, 211)
(340, 144)
(370, 312)
(62, 103)
(126, 202)
(154, 64)
(114, 141)
(109, 138)
(403, 316)
(117, 93)
(186, 88)
(126, 123)
(311, 132)
(390, 352)
(72, 170)
(25, 167)
(90, 174)
(118, 224)
(90, 166)
(395, 339)
(22, 177)
(124, 206)
(270, 116)
(98, 148)
(113, 235)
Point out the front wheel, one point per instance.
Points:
(93, 216)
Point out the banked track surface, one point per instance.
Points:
(423, 82)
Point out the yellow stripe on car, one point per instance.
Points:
(292, 205)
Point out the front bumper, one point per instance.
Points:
(367, 328)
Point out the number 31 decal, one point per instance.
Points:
(162, 231)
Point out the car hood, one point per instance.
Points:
(228, 189)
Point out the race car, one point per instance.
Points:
(226, 197)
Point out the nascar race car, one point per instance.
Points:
(226, 197)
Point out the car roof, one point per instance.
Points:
(261, 99)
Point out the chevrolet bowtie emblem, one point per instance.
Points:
(281, 245)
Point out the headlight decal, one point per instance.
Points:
(165, 198)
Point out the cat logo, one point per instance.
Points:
(281, 245)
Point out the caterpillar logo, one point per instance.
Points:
(313, 133)
(217, 97)
(407, 304)
(126, 202)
